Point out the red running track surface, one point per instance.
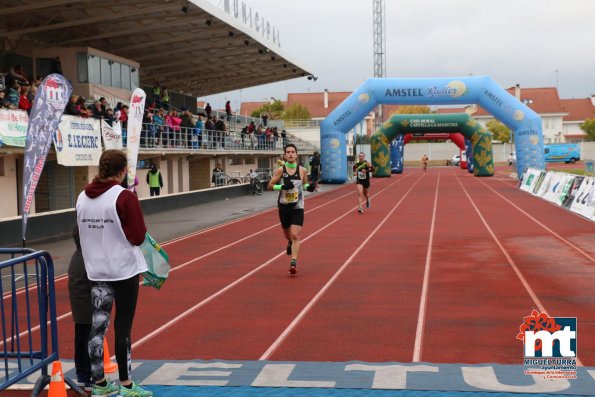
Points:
(442, 268)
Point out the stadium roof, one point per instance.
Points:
(195, 46)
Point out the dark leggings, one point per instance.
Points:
(103, 294)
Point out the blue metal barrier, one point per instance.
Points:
(29, 334)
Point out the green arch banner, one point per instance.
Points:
(400, 124)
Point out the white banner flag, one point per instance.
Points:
(78, 141)
(48, 106)
(135, 125)
(13, 127)
(112, 135)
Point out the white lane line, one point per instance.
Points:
(202, 231)
(524, 281)
(267, 354)
(575, 247)
(236, 282)
(68, 314)
(421, 317)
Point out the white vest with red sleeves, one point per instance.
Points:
(108, 255)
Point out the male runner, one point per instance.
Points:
(362, 170)
(290, 180)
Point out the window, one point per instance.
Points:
(94, 69)
(116, 75)
(235, 160)
(134, 79)
(126, 77)
(106, 73)
(82, 68)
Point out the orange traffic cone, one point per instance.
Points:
(108, 366)
(57, 386)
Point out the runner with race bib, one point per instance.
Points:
(290, 180)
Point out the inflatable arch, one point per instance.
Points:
(401, 124)
(482, 90)
(397, 146)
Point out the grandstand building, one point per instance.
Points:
(107, 49)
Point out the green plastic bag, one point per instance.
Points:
(157, 263)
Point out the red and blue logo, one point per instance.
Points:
(548, 337)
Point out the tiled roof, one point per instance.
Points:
(314, 101)
(578, 109)
(247, 108)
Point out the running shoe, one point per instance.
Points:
(289, 247)
(134, 391)
(108, 390)
(367, 203)
(293, 267)
(360, 210)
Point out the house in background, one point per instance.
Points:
(578, 110)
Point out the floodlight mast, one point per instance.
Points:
(379, 34)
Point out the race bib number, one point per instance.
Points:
(291, 196)
(361, 175)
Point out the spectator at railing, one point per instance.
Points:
(147, 134)
(122, 116)
(159, 123)
(71, 107)
(32, 93)
(208, 110)
(220, 127)
(265, 118)
(198, 129)
(269, 138)
(187, 125)
(156, 95)
(173, 127)
(252, 135)
(104, 106)
(275, 136)
(4, 102)
(17, 74)
(24, 103)
(81, 108)
(165, 98)
(96, 111)
(210, 132)
(109, 116)
(260, 136)
(228, 110)
(14, 92)
(284, 137)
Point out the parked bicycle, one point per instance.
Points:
(257, 179)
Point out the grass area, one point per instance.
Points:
(576, 171)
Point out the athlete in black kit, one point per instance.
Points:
(362, 170)
(290, 180)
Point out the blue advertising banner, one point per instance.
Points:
(48, 106)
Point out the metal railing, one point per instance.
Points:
(29, 334)
(161, 137)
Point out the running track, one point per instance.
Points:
(441, 269)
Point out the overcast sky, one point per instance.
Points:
(535, 43)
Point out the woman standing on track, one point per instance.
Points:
(362, 170)
(424, 162)
(291, 200)
(111, 227)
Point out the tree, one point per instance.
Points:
(499, 131)
(413, 109)
(274, 109)
(589, 127)
(296, 112)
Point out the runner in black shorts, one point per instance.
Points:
(362, 170)
(291, 180)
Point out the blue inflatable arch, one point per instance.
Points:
(482, 90)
